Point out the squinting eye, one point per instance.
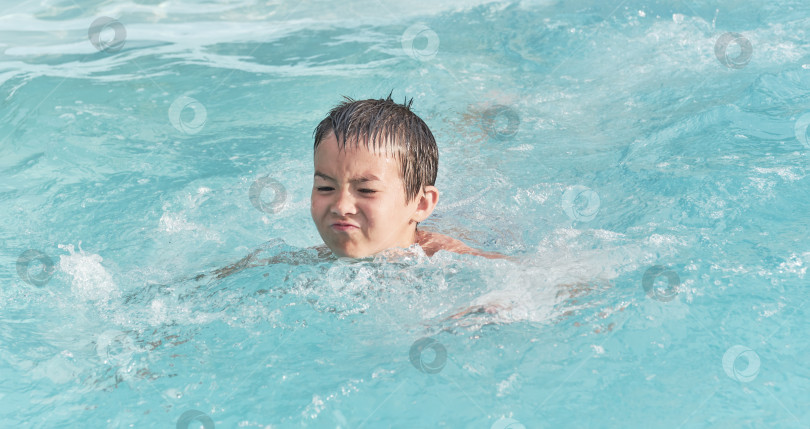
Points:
(367, 191)
(324, 188)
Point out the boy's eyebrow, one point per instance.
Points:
(365, 178)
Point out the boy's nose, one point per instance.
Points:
(344, 204)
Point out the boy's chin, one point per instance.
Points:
(353, 253)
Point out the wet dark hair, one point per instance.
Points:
(391, 127)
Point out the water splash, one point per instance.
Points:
(90, 281)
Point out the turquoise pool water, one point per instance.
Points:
(644, 162)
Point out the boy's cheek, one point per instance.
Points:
(315, 203)
(314, 209)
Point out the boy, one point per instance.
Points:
(375, 170)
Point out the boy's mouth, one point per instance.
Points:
(343, 226)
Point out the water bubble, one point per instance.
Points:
(431, 349)
(107, 44)
(195, 124)
(418, 32)
(648, 283)
(721, 50)
(115, 347)
(500, 122)
(800, 129)
(581, 203)
(507, 423)
(260, 185)
(173, 394)
(736, 354)
(44, 270)
(192, 415)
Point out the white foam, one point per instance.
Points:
(507, 386)
(786, 173)
(538, 288)
(175, 222)
(90, 281)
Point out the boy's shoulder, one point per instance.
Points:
(432, 242)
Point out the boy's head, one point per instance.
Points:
(375, 170)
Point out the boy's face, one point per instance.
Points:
(358, 201)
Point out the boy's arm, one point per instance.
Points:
(249, 261)
(432, 242)
(472, 251)
(478, 309)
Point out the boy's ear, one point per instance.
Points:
(426, 202)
